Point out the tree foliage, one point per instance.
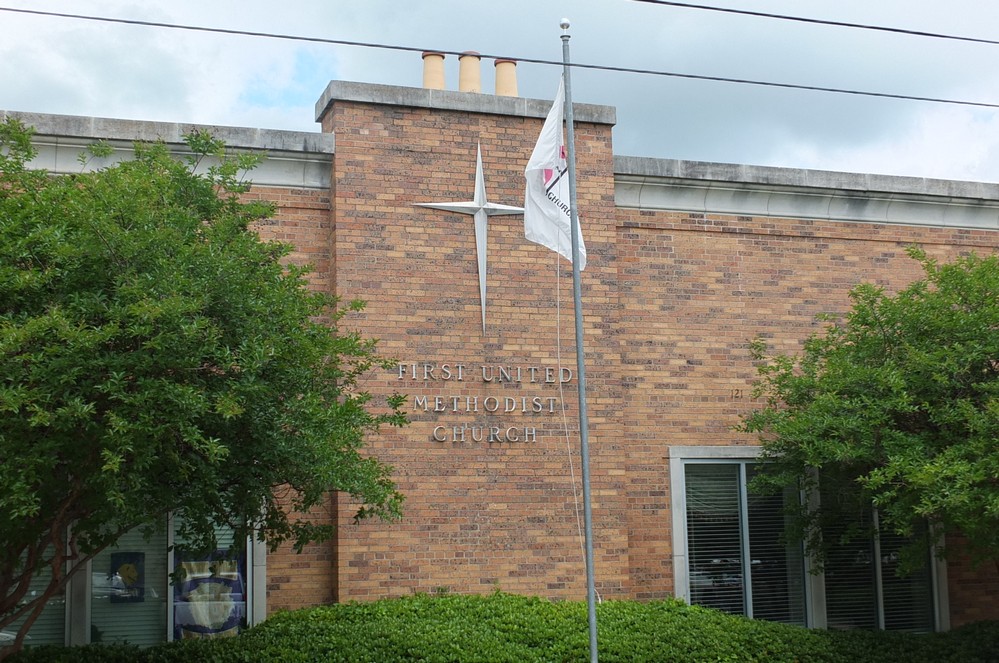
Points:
(896, 404)
(157, 357)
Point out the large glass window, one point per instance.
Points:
(50, 627)
(864, 588)
(735, 557)
(132, 599)
(738, 560)
(129, 591)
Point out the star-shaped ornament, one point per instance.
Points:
(480, 209)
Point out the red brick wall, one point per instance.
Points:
(303, 219)
(307, 578)
(478, 515)
(670, 303)
(973, 588)
(694, 289)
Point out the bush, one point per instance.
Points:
(89, 654)
(507, 628)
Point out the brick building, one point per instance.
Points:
(687, 262)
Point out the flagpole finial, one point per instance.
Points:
(564, 24)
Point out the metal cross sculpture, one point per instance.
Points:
(481, 209)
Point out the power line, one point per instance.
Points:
(819, 21)
(577, 65)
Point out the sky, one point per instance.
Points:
(78, 67)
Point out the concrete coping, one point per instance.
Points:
(694, 186)
(292, 158)
(100, 128)
(449, 100)
(650, 169)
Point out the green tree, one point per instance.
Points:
(156, 356)
(895, 404)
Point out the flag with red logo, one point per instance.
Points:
(546, 200)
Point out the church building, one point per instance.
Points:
(687, 262)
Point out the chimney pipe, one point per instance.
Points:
(469, 76)
(433, 70)
(506, 78)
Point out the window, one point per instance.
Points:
(737, 560)
(124, 593)
(729, 554)
(863, 588)
(128, 591)
(50, 627)
(210, 596)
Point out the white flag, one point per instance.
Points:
(546, 200)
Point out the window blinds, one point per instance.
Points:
(738, 559)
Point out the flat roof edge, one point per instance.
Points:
(626, 167)
(467, 102)
(101, 128)
(759, 191)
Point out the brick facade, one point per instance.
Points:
(671, 299)
(700, 288)
(673, 292)
(479, 515)
(973, 589)
(304, 221)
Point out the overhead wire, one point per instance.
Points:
(576, 65)
(819, 21)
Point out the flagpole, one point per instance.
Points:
(584, 442)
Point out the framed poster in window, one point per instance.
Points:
(127, 578)
(210, 596)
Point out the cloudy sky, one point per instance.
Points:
(78, 67)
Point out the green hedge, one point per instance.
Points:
(506, 628)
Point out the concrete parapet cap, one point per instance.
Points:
(449, 100)
(714, 188)
(292, 158)
(631, 167)
(101, 128)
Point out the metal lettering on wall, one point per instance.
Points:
(486, 429)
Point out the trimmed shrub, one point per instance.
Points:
(501, 628)
(89, 654)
